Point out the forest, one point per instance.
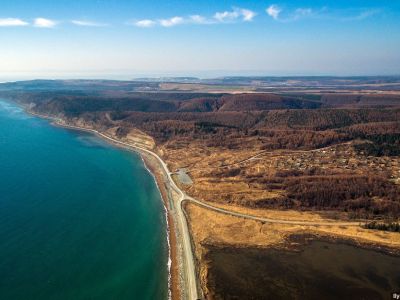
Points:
(263, 122)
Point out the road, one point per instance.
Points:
(191, 289)
(190, 276)
(268, 220)
(189, 271)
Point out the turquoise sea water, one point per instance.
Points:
(79, 219)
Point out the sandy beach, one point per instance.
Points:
(175, 284)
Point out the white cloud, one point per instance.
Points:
(230, 16)
(197, 19)
(237, 14)
(274, 11)
(44, 23)
(9, 22)
(172, 21)
(248, 15)
(145, 23)
(226, 16)
(88, 23)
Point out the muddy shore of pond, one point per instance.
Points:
(304, 267)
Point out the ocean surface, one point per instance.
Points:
(79, 218)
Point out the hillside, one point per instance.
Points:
(207, 133)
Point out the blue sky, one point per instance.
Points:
(126, 39)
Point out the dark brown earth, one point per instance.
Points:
(317, 270)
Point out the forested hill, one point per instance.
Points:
(76, 101)
(365, 124)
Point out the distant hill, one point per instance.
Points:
(58, 98)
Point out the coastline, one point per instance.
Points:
(173, 263)
(174, 286)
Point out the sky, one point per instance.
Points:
(125, 39)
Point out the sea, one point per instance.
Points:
(79, 218)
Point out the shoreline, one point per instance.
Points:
(173, 261)
(174, 286)
(166, 214)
